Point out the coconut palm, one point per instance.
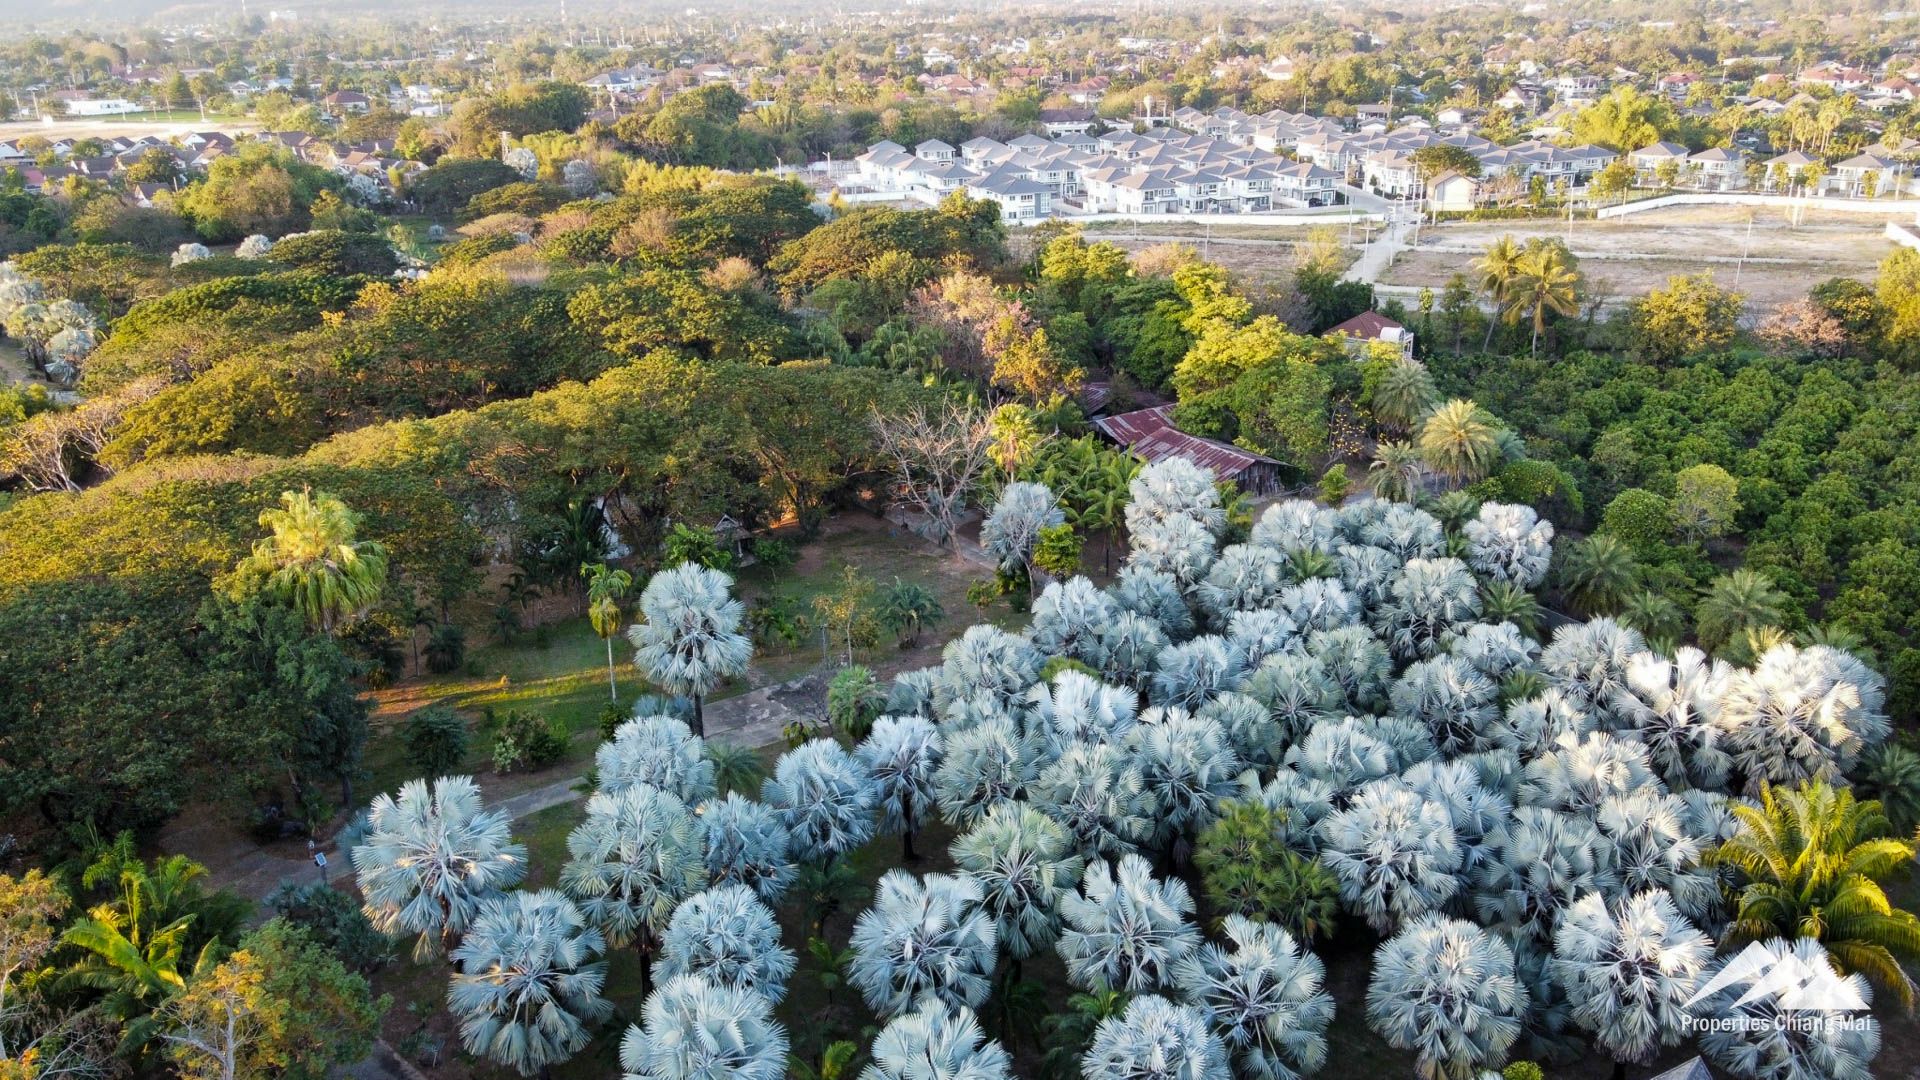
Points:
(1890, 775)
(1155, 1040)
(1764, 1036)
(748, 844)
(1457, 442)
(1510, 544)
(1023, 862)
(1811, 859)
(900, 755)
(824, 798)
(1264, 996)
(1628, 969)
(1655, 616)
(313, 561)
(656, 751)
(984, 766)
(1394, 852)
(1802, 714)
(1546, 283)
(694, 1028)
(1735, 603)
(1403, 394)
(690, 640)
(1498, 269)
(735, 767)
(605, 589)
(1598, 574)
(1068, 617)
(633, 859)
(1096, 792)
(923, 938)
(527, 992)
(937, 1043)
(431, 856)
(727, 935)
(1448, 991)
(906, 607)
(1126, 930)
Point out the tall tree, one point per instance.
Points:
(634, 858)
(691, 639)
(605, 588)
(431, 857)
(314, 562)
(527, 992)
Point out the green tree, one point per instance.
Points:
(435, 740)
(1626, 119)
(605, 589)
(1812, 859)
(1643, 520)
(854, 699)
(1498, 270)
(280, 1005)
(1691, 315)
(1706, 500)
(1736, 603)
(906, 607)
(1437, 158)
(1598, 574)
(1246, 870)
(31, 907)
(1056, 551)
(314, 562)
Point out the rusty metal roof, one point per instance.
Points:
(1150, 434)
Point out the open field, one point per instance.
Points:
(1634, 254)
(164, 124)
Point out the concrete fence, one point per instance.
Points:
(1884, 208)
(1338, 215)
(1902, 235)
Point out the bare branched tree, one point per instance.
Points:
(936, 455)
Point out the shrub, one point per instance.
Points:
(854, 699)
(1245, 869)
(528, 740)
(334, 919)
(1334, 484)
(1522, 1070)
(435, 740)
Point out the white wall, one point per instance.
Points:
(1883, 207)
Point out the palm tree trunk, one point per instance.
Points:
(1487, 345)
(699, 715)
(613, 689)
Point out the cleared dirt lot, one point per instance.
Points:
(1639, 252)
(1625, 256)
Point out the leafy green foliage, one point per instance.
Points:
(435, 740)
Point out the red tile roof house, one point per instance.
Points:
(1151, 436)
(1359, 333)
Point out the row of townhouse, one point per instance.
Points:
(1161, 171)
(1880, 169)
(1385, 163)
